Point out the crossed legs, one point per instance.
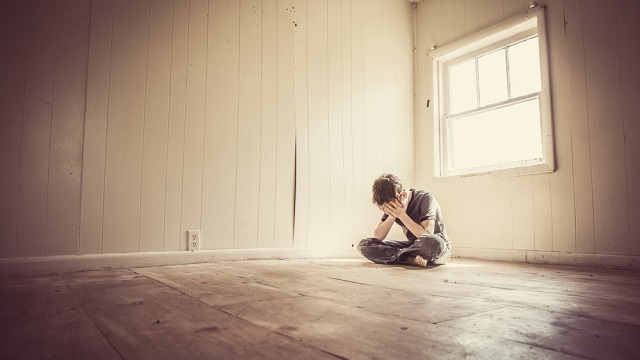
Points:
(429, 248)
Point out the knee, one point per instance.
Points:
(431, 244)
(365, 242)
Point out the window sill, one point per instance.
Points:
(493, 174)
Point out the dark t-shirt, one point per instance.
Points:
(422, 206)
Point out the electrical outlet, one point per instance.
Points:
(193, 237)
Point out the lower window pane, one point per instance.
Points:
(499, 136)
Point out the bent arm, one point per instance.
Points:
(425, 227)
(382, 230)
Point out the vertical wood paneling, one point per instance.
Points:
(405, 101)
(543, 221)
(606, 124)
(194, 120)
(514, 7)
(14, 27)
(68, 110)
(123, 168)
(448, 14)
(489, 12)
(335, 113)
(522, 205)
(629, 52)
(390, 120)
(285, 184)
(373, 130)
(349, 234)
(459, 18)
(362, 187)
(302, 126)
(465, 229)
(498, 213)
(269, 124)
(561, 181)
(193, 88)
(171, 109)
(95, 128)
(471, 16)
(428, 33)
(221, 129)
(250, 103)
(173, 237)
(320, 167)
(479, 218)
(586, 205)
(451, 207)
(422, 80)
(156, 118)
(580, 142)
(36, 129)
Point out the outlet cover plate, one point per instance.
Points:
(193, 240)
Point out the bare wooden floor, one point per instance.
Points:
(323, 309)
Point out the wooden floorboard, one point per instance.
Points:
(211, 286)
(356, 333)
(323, 309)
(587, 337)
(156, 322)
(41, 318)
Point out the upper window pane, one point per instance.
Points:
(492, 77)
(524, 68)
(463, 95)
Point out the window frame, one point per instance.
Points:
(508, 32)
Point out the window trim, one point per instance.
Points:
(509, 31)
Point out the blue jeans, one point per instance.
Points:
(432, 247)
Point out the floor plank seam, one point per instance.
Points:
(475, 313)
(395, 289)
(283, 335)
(106, 338)
(169, 286)
(547, 292)
(552, 349)
(356, 282)
(257, 282)
(582, 316)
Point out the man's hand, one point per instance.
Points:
(394, 208)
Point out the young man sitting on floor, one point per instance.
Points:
(418, 214)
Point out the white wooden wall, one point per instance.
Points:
(124, 123)
(591, 204)
(43, 76)
(354, 113)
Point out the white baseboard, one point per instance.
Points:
(115, 261)
(552, 257)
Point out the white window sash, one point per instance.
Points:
(509, 31)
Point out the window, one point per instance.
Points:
(493, 104)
